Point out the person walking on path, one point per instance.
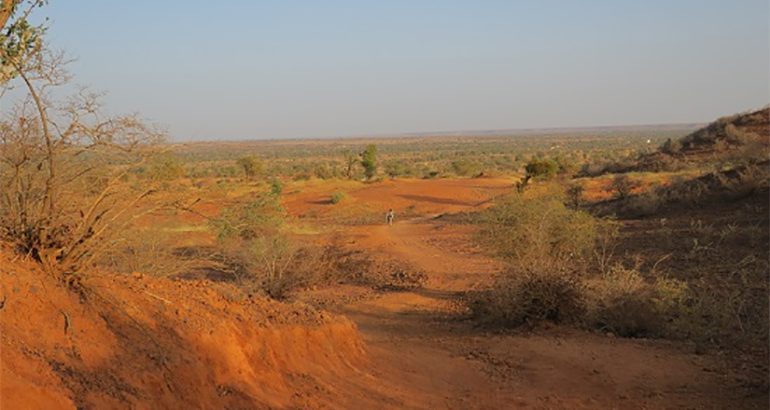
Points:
(389, 216)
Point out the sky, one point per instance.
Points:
(290, 69)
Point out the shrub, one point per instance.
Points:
(258, 257)
(350, 162)
(622, 186)
(149, 251)
(276, 187)
(261, 216)
(334, 264)
(623, 303)
(628, 315)
(464, 167)
(671, 147)
(270, 262)
(727, 309)
(430, 174)
(251, 166)
(528, 297)
(301, 176)
(397, 168)
(253, 248)
(324, 171)
(575, 195)
(165, 167)
(66, 183)
(541, 168)
(539, 233)
(645, 204)
(337, 197)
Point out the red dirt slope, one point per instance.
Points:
(154, 343)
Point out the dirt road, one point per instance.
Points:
(424, 353)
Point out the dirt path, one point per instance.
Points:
(424, 354)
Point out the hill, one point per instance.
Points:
(744, 135)
(733, 140)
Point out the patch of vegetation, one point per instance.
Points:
(360, 268)
(541, 168)
(369, 161)
(528, 297)
(337, 197)
(150, 251)
(251, 166)
(622, 186)
(68, 172)
(539, 233)
(254, 250)
(562, 269)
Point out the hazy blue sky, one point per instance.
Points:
(259, 69)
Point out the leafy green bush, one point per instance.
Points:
(252, 248)
(369, 161)
(261, 216)
(541, 168)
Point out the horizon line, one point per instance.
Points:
(501, 132)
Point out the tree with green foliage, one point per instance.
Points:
(541, 168)
(252, 166)
(369, 161)
(21, 43)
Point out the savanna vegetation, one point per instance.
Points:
(684, 260)
(595, 230)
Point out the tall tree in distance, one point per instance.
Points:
(351, 159)
(369, 161)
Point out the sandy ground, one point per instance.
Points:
(157, 343)
(424, 353)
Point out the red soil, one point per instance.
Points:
(154, 343)
(140, 342)
(419, 196)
